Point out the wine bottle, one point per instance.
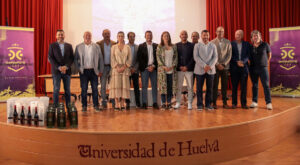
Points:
(36, 117)
(29, 116)
(15, 118)
(22, 116)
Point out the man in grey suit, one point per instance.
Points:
(105, 46)
(89, 61)
(134, 70)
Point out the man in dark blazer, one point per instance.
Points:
(61, 58)
(147, 64)
(239, 68)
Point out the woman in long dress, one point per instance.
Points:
(120, 63)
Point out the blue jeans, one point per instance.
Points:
(209, 89)
(169, 90)
(89, 75)
(263, 74)
(105, 79)
(145, 80)
(56, 87)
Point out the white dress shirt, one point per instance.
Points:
(150, 54)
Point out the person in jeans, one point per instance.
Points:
(105, 46)
(61, 58)
(89, 60)
(167, 59)
(147, 64)
(206, 57)
(259, 62)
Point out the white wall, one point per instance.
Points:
(190, 15)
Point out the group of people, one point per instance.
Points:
(166, 65)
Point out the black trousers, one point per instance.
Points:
(239, 76)
(224, 83)
(135, 80)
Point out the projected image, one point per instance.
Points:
(133, 15)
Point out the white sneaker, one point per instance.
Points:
(177, 105)
(269, 106)
(253, 105)
(190, 107)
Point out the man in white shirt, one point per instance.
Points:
(205, 56)
(89, 60)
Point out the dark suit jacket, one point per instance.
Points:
(187, 59)
(142, 56)
(244, 56)
(56, 59)
(101, 44)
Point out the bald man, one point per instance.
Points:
(185, 68)
(224, 56)
(89, 61)
(105, 46)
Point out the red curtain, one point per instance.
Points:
(249, 15)
(45, 16)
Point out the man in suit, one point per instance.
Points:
(134, 70)
(147, 64)
(239, 68)
(105, 46)
(89, 61)
(61, 58)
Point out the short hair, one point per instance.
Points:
(196, 33)
(240, 30)
(148, 31)
(60, 30)
(255, 32)
(120, 32)
(204, 31)
(130, 33)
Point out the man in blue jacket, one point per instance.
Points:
(239, 68)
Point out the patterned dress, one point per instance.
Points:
(119, 83)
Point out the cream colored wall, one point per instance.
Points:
(190, 15)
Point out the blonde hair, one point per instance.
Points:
(256, 32)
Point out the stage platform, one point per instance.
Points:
(153, 136)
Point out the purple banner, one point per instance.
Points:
(284, 64)
(16, 62)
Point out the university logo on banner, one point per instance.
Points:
(16, 62)
(284, 64)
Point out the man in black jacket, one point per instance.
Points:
(61, 58)
(185, 68)
(147, 64)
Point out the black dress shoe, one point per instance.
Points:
(138, 105)
(104, 106)
(122, 108)
(144, 106)
(164, 106)
(245, 107)
(215, 106)
(233, 106)
(155, 106)
(225, 106)
(97, 108)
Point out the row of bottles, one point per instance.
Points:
(29, 120)
(57, 115)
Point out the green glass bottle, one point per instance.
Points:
(15, 118)
(61, 118)
(73, 117)
(22, 116)
(29, 116)
(50, 117)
